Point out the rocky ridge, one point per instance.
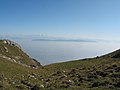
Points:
(12, 51)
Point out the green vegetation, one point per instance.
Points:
(99, 73)
(12, 52)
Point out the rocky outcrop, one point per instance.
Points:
(12, 51)
(11, 43)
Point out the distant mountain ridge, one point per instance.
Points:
(66, 40)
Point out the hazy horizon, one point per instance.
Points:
(48, 52)
(98, 19)
(94, 23)
(54, 50)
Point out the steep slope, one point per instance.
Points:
(11, 51)
(16, 67)
(14, 76)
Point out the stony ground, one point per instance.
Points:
(95, 77)
(99, 73)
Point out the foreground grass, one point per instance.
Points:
(99, 73)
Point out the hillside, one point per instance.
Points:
(19, 72)
(99, 73)
(12, 51)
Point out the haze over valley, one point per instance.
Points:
(50, 49)
(59, 45)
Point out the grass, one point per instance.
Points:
(98, 73)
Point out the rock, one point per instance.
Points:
(20, 87)
(117, 84)
(11, 43)
(59, 72)
(95, 84)
(101, 73)
(114, 65)
(63, 71)
(33, 66)
(93, 76)
(64, 86)
(26, 83)
(115, 75)
(78, 84)
(37, 63)
(6, 49)
(42, 86)
(36, 87)
(67, 82)
(47, 80)
(117, 69)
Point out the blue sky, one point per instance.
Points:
(81, 18)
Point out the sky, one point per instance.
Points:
(99, 19)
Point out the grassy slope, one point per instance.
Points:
(11, 75)
(13, 52)
(11, 72)
(99, 73)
